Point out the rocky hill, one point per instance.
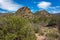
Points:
(25, 12)
(42, 13)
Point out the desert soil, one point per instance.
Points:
(40, 37)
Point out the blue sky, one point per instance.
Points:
(52, 6)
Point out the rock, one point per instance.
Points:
(24, 11)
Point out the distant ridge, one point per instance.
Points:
(58, 14)
(1, 14)
(26, 12)
(42, 13)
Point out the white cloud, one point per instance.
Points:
(55, 11)
(54, 7)
(9, 5)
(47, 6)
(44, 4)
(32, 10)
(57, 6)
(2, 11)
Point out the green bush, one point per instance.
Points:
(15, 28)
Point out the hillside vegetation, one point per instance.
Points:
(15, 28)
(23, 25)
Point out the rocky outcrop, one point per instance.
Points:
(24, 11)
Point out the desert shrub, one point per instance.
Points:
(52, 36)
(36, 29)
(1, 35)
(51, 23)
(41, 32)
(16, 28)
(43, 21)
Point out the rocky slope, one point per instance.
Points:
(25, 12)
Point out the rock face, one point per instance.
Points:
(24, 11)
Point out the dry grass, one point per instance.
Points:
(49, 33)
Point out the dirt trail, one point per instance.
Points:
(40, 37)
